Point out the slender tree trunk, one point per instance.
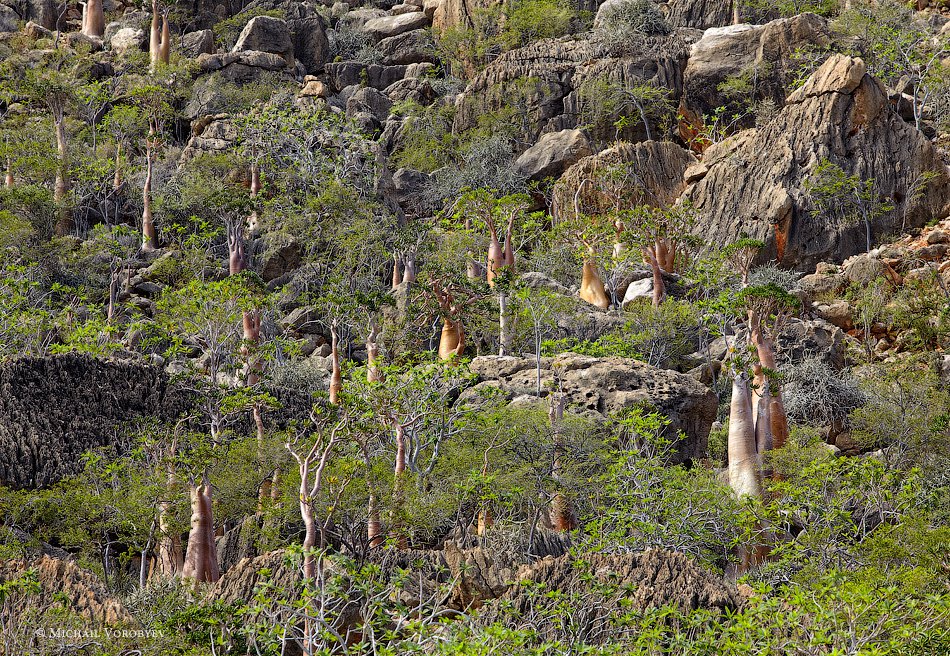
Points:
(563, 518)
(736, 17)
(201, 556)
(336, 377)
(311, 533)
(236, 261)
(659, 287)
(252, 221)
(170, 559)
(64, 223)
(8, 178)
(117, 177)
(93, 20)
(452, 341)
(506, 332)
(399, 489)
(149, 238)
(374, 525)
(592, 287)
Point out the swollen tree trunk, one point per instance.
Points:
(495, 260)
(148, 225)
(373, 373)
(452, 341)
(777, 414)
(8, 178)
(745, 476)
(236, 260)
(409, 273)
(397, 278)
(399, 489)
(93, 20)
(155, 35)
(736, 18)
(336, 377)
(764, 440)
(64, 223)
(592, 287)
(170, 560)
(201, 556)
(117, 176)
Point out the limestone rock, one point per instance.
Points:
(606, 385)
(755, 180)
(554, 152)
(447, 14)
(658, 166)
(625, 582)
(408, 48)
(266, 34)
(42, 438)
(735, 50)
(699, 14)
(370, 100)
(84, 593)
(390, 26)
(548, 74)
(197, 43)
(311, 48)
(128, 39)
(9, 20)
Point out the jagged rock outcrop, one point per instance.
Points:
(627, 582)
(606, 385)
(457, 13)
(754, 182)
(81, 591)
(546, 77)
(655, 577)
(699, 14)
(657, 167)
(54, 409)
(765, 51)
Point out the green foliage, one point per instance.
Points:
(646, 503)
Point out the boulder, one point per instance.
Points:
(370, 100)
(410, 186)
(638, 290)
(546, 77)
(815, 338)
(311, 48)
(9, 19)
(606, 385)
(408, 48)
(553, 153)
(266, 34)
(344, 74)
(209, 134)
(657, 166)
(128, 39)
(390, 26)
(197, 43)
(754, 182)
(766, 50)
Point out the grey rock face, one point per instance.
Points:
(549, 74)
(754, 182)
(198, 43)
(699, 14)
(736, 50)
(390, 26)
(266, 34)
(553, 153)
(606, 385)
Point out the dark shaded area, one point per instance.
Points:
(54, 409)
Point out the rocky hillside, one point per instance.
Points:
(474, 327)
